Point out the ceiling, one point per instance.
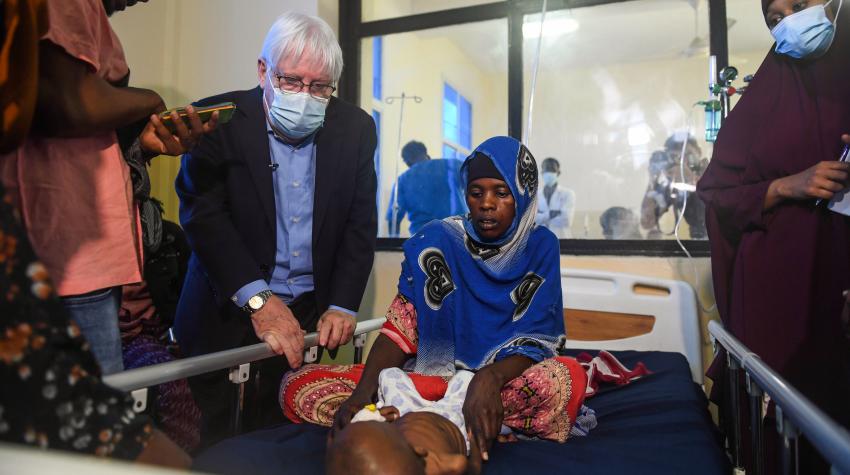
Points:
(633, 31)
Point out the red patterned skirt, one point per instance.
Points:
(542, 402)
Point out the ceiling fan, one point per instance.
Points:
(699, 44)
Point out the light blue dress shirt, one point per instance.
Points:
(294, 185)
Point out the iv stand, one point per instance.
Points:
(389, 100)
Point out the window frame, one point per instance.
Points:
(352, 29)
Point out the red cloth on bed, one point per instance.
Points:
(605, 368)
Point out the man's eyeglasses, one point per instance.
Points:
(294, 84)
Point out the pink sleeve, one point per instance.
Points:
(92, 41)
(400, 326)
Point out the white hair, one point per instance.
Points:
(293, 34)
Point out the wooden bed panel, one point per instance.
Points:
(591, 325)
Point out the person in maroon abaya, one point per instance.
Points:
(781, 259)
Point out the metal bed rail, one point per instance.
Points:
(238, 361)
(795, 414)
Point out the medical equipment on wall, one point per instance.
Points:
(390, 100)
(721, 90)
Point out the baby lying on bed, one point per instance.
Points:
(405, 433)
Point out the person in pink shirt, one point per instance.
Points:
(70, 180)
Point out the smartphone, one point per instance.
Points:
(225, 112)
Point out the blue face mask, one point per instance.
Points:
(549, 178)
(805, 34)
(295, 114)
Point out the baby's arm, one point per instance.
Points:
(390, 413)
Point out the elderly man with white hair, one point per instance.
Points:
(279, 208)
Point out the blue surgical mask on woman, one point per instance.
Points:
(295, 114)
(549, 178)
(805, 34)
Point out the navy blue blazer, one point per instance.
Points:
(227, 209)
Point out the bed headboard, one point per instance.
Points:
(614, 311)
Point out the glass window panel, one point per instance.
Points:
(450, 127)
(603, 111)
(383, 9)
(469, 60)
(450, 115)
(450, 94)
(377, 65)
(465, 123)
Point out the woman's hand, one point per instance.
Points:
(385, 354)
(483, 411)
(156, 138)
(358, 400)
(821, 181)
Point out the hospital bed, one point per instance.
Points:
(657, 424)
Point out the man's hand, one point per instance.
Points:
(156, 138)
(335, 328)
(275, 325)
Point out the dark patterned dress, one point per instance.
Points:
(51, 395)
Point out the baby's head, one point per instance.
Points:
(372, 447)
(419, 442)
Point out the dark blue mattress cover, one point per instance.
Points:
(656, 425)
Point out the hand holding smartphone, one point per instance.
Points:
(176, 131)
(225, 112)
(845, 154)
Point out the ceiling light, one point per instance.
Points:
(551, 27)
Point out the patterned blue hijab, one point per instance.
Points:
(477, 303)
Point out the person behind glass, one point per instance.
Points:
(428, 190)
(555, 203)
(70, 178)
(666, 185)
(278, 206)
(780, 258)
(619, 223)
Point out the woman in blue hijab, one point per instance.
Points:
(480, 292)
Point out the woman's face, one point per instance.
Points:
(491, 206)
(779, 9)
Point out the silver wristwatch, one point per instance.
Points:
(256, 302)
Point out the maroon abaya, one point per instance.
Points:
(779, 274)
